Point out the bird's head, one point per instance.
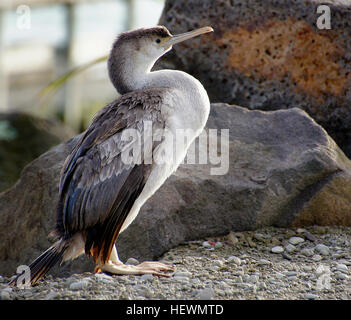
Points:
(151, 43)
(140, 49)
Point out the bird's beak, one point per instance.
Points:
(187, 35)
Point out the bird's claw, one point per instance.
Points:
(146, 267)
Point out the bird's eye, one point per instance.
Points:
(158, 40)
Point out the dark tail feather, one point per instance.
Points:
(41, 265)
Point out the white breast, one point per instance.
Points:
(186, 108)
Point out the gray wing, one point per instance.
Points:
(97, 188)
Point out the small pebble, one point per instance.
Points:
(310, 236)
(132, 262)
(125, 296)
(322, 269)
(8, 289)
(253, 278)
(279, 275)
(274, 241)
(259, 237)
(220, 292)
(263, 262)
(286, 256)
(296, 240)
(346, 262)
(78, 285)
(277, 249)
(5, 295)
(146, 277)
(146, 292)
(232, 239)
(311, 296)
(218, 245)
(307, 268)
(180, 278)
(290, 248)
(341, 276)
(206, 244)
(103, 276)
(235, 260)
(322, 249)
(342, 268)
(52, 295)
(262, 286)
(307, 252)
(182, 274)
(316, 258)
(218, 263)
(206, 294)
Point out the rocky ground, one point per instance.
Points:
(270, 263)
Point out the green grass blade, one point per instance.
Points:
(48, 92)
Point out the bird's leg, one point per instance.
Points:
(116, 266)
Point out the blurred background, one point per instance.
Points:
(44, 39)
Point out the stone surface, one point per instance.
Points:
(296, 240)
(307, 252)
(277, 249)
(24, 138)
(269, 55)
(342, 268)
(322, 249)
(79, 285)
(206, 294)
(132, 261)
(290, 248)
(28, 211)
(284, 170)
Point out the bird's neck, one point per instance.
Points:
(189, 93)
(133, 77)
(131, 73)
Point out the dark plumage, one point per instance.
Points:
(97, 188)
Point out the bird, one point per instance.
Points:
(108, 175)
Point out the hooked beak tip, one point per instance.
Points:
(210, 29)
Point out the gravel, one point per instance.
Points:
(290, 248)
(296, 240)
(311, 296)
(277, 249)
(132, 261)
(342, 268)
(240, 265)
(205, 294)
(307, 252)
(322, 249)
(235, 260)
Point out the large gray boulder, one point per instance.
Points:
(23, 138)
(284, 170)
(269, 55)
